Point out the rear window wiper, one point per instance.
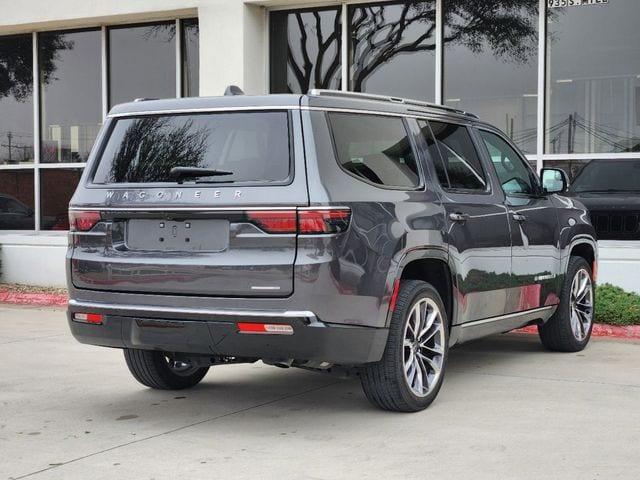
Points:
(182, 173)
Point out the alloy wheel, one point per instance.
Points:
(423, 347)
(581, 304)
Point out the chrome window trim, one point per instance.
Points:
(242, 208)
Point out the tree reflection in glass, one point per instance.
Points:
(305, 50)
(152, 146)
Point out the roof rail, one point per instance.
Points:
(385, 98)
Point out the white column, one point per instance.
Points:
(231, 47)
(542, 80)
(36, 131)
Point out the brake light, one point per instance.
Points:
(93, 318)
(304, 221)
(326, 220)
(274, 221)
(83, 221)
(265, 328)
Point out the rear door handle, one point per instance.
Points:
(518, 217)
(459, 217)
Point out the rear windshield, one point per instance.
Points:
(252, 145)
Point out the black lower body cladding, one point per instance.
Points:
(316, 341)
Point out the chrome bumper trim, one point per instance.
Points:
(154, 309)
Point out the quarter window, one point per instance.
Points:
(461, 168)
(375, 148)
(515, 176)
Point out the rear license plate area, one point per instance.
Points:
(177, 235)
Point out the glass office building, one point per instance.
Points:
(562, 81)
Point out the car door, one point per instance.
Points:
(476, 222)
(533, 221)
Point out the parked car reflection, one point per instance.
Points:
(610, 189)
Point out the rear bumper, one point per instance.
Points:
(215, 332)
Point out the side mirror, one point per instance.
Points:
(554, 180)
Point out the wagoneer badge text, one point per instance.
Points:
(169, 195)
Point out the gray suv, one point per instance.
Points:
(330, 231)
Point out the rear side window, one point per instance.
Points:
(252, 145)
(461, 168)
(375, 148)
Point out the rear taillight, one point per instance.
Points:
(326, 220)
(83, 221)
(274, 221)
(312, 221)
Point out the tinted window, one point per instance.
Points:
(375, 148)
(142, 62)
(392, 49)
(305, 48)
(190, 58)
(254, 146)
(70, 95)
(514, 175)
(460, 159)
(491, 63)
(593, 93)
(16, 200)
(16, 99)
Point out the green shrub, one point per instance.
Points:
(617, 307)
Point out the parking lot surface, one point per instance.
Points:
(508, 409)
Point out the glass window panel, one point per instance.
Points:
(514, 174)
(142, 62)
(434, 153)
(593, 83)
(461, 161)
(491, 64)
(71, 98)
(56, 188)
(392, 49)
(190, 58)
(305, 50)
(375, 148)
(16, 99)
(253, 146)
(16, 200)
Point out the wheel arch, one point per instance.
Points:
(584, 247)
(431, 266)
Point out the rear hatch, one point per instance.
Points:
(222, 224)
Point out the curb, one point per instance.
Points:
(599, 330)
(34, 299)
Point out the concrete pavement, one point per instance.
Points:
(508, 409)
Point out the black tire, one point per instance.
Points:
(557, 334)
(154, 369)
(385, 383)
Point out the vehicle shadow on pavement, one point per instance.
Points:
(234, 390)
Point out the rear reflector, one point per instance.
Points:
(329, 220)
(83, 221)
(265, 328)
(94, 318)
(394, 295)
